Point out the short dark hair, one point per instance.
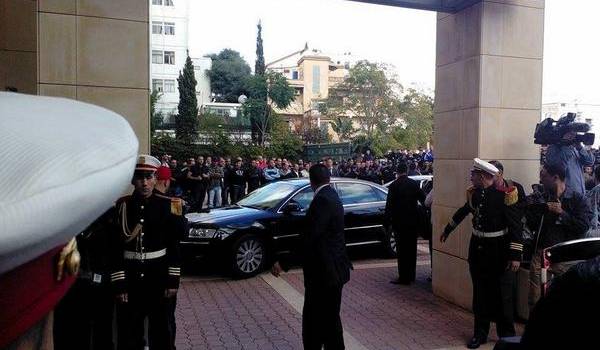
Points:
(318, 174)
(556, 170)
(498, 165)
(402, 168)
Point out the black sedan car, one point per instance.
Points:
(269, 220)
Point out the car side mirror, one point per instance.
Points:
(292, 207)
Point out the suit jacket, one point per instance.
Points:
(334, 172)
(322, 251)
(401, 208)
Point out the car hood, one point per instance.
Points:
(229, 216)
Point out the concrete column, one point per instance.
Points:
(487, 101)
(95, 51)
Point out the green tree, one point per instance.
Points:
(344, 128)
(228, 75)
(282, 141)
(259, 65)
(264, 92)
(156, 117)
(416, 128)
(369, 95)
(186, 121)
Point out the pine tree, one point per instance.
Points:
(259, 66)
(187, 120)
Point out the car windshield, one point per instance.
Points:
(268, 196)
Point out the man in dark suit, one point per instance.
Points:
(402, 213)
(333, 171)
(325, 264)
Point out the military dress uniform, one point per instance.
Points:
(146, 264)
(495, 241)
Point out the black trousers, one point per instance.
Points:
(199, 195)
(493, 286)
(237, 192)
(144, 301)
(321, 323)
(171, 306)
(406, 252)
(225, 191)
(83, 318)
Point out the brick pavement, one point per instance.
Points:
(250, 314)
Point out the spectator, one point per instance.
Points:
(271, 173)
(227, 169)
(284, 172)
(295, 171)
(593, 198)
(412, 169)
(561, 214)
(237, 180)
(253, 175)
(333, 172)
(196, 176)
(214, 187)
(304, 171)
(572, 157)
(588, 177)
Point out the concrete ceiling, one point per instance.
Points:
(450, 6)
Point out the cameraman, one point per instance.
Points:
(561, 214)
(573, 157)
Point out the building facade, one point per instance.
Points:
(311, 73)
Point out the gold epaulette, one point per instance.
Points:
(176, 204)
(511, 196)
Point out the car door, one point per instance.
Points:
(363, 210)
(291, 224)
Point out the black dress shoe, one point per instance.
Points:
(475, 343)
(405, 283)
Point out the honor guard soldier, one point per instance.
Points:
(495, 248)
(146, 260)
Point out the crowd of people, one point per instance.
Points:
(213, 181)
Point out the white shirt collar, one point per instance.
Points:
(320, 188)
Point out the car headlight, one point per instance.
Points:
(200, 232)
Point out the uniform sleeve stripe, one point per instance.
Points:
(118, 273)
(117, 278)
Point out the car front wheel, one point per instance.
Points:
(248, 256)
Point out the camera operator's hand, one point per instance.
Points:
(555, 207)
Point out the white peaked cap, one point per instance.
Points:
(64, 164)
(482, 165)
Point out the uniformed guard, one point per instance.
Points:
(84, 317)
(146, 260)
(495, 247)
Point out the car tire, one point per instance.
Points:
(389, 244)
(248, 256)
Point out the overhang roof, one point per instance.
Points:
(451, 6)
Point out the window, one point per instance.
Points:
(156, 2)
(352, 193)
(169, 57)
(295, 75)
(157, 85)
(304, 197)
(169, 28)
(157, 27)
(169, 3)
(316, 84)
(169, 85)
(157, 56)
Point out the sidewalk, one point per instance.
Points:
(265, 312)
